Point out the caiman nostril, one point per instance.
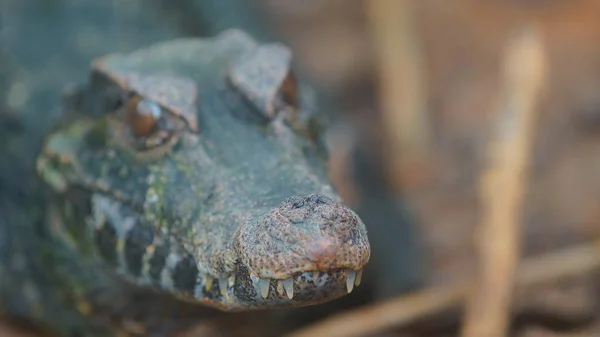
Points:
(310, 201)
(319, 199)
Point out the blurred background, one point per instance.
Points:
(414, 90)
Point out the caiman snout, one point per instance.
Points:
(311, 233)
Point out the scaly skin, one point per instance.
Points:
(232, 210)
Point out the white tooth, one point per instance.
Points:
(358, 278)
(315, 276)
(255, 282)
(232, 280)
(223, 286)
(289, 287)
(208, 282)
(350, 276)
(264, 287)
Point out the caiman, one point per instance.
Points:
(191, 172)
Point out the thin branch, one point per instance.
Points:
(552, 267)
(502, 188)
(402, 83)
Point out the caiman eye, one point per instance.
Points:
(142, 115)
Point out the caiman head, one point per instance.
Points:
(194, 168)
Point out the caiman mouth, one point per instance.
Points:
(300, 289)
(315, 279)
(243, 291)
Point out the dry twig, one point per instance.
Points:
(552, 267)
(402, 83)
(502, 187)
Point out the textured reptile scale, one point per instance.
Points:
(138, 253)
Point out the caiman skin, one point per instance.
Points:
(192, 168)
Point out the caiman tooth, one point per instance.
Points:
(264, 287)
(289, 287)
(315, 276)
(232, 280)
(350, 276)
(256, 283)
(223, 286)
(208, 282)
(358, 278)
